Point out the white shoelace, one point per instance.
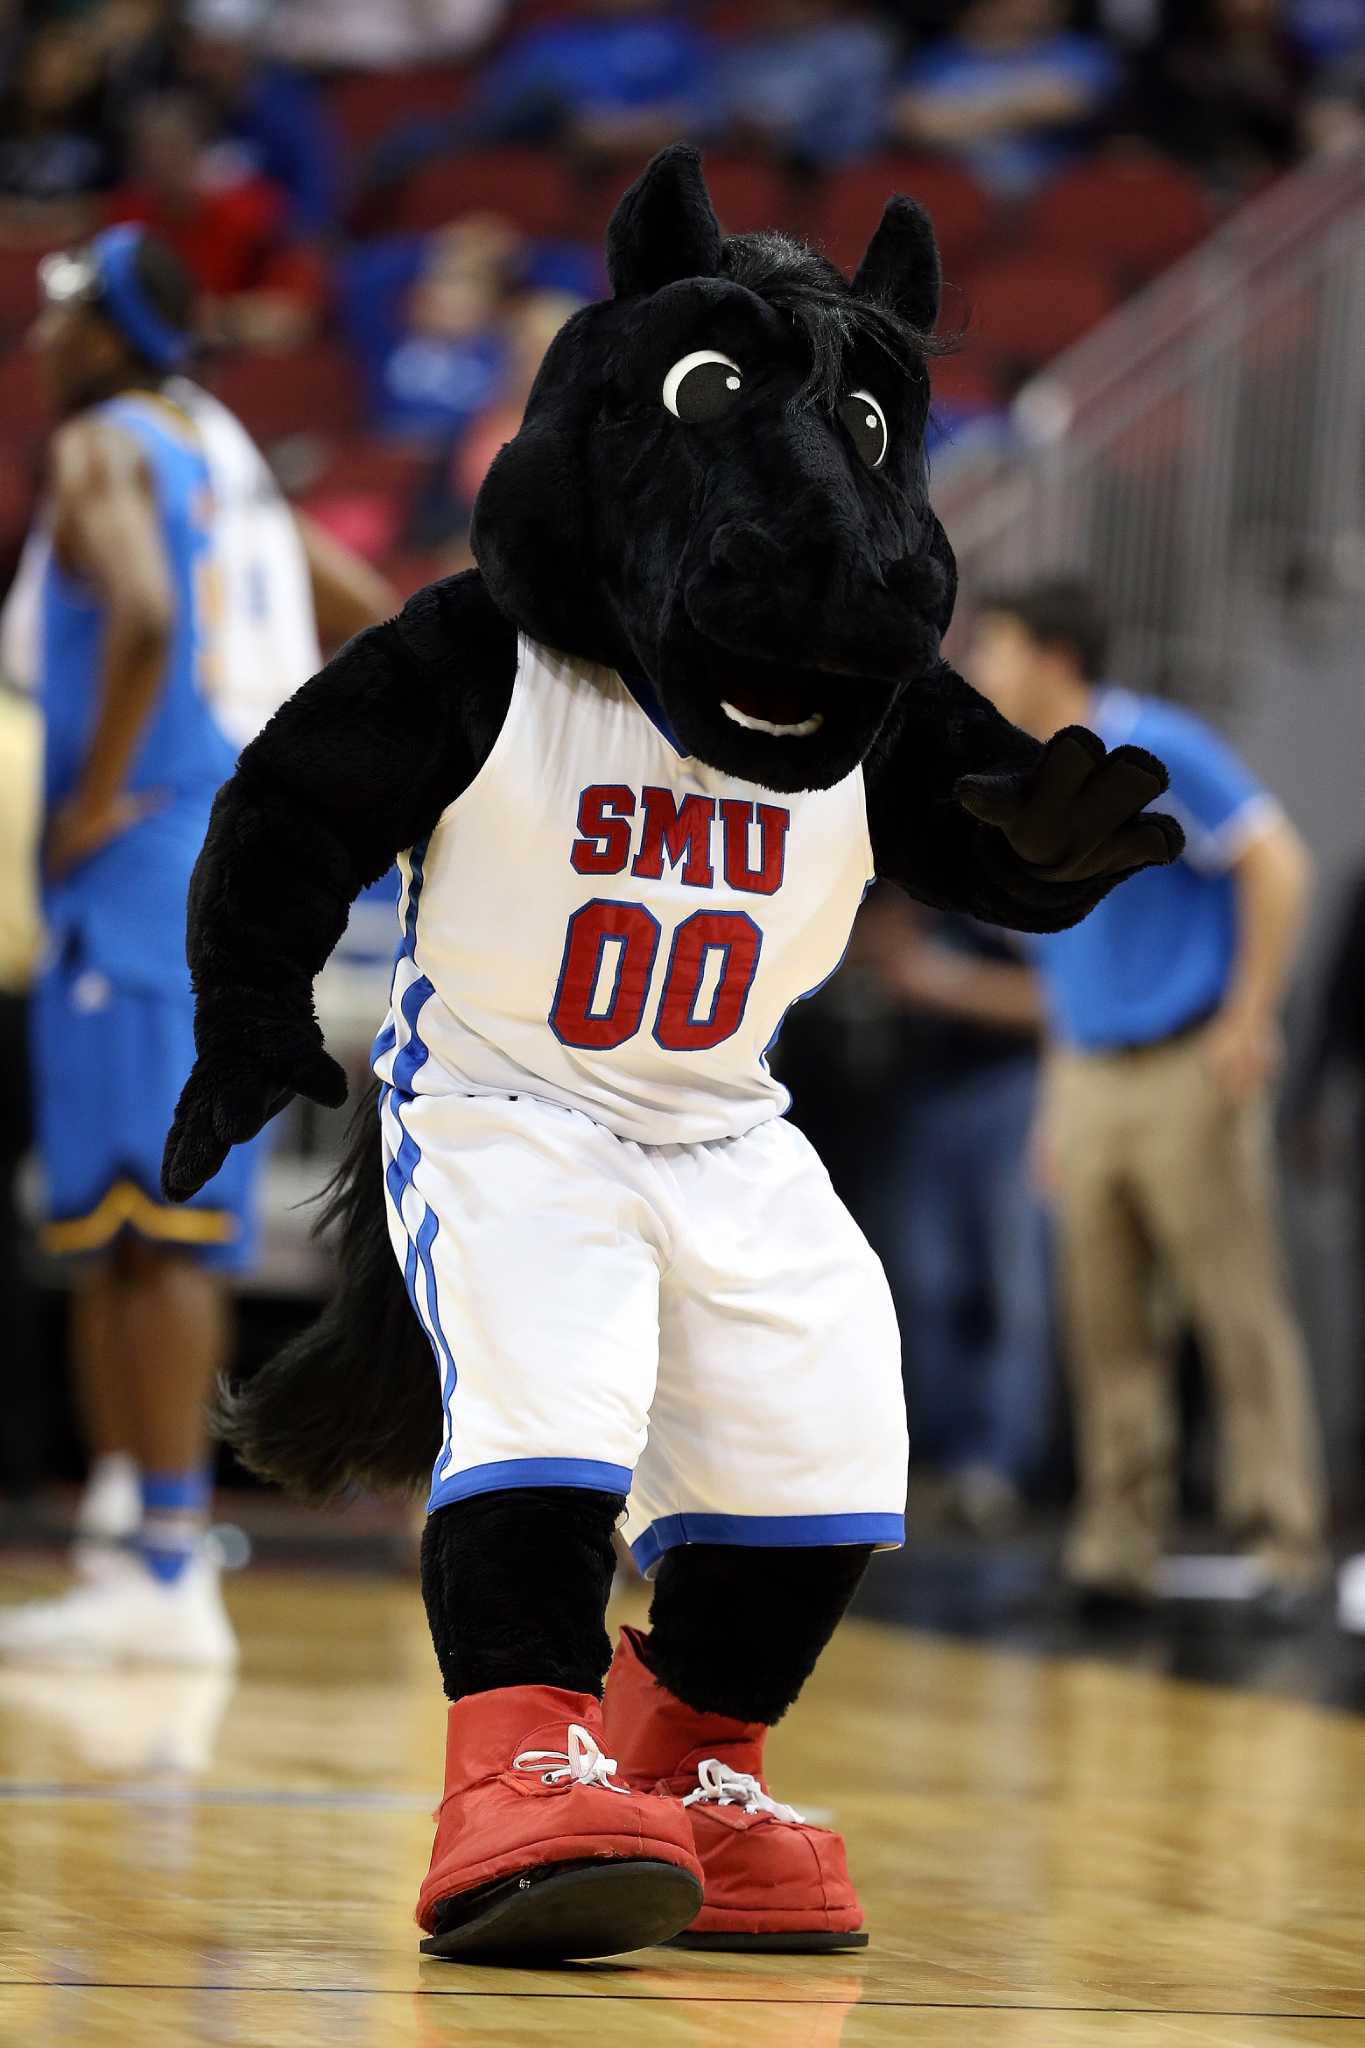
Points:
(718, 1785)
(581, 1764)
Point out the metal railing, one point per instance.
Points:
(1205, 441)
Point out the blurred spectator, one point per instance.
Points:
(424, 313)
(1227, 90)
(262, 289)
(267, 120)
(1337, 1050)
(53, 152)
(619, 77)
(529, 324)
(1155, 1129)
(1012, 94)
(358, 35)
(1334, 117)
(952, 1213)
(809, 79)
(1325, 31)
(20, 780)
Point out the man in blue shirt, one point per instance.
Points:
(623, 75)
(1155, 1135)
(1010, 93)
(272, 118)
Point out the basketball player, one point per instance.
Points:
(173, 605)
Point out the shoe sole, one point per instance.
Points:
(564, 1913)
(787, 1941)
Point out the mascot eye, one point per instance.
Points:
(866, 424)
(699, 387)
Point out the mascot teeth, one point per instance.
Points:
(799, 731)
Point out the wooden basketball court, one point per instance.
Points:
(1052, 1854)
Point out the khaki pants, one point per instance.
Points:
(1162, 1177)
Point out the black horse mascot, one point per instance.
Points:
(638, 769)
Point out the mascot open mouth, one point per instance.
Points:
(781, 713)
(784, 725)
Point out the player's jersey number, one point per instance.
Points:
(608, 975)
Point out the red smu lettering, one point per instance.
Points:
(603, 811)
(681, 832)
(766, 878)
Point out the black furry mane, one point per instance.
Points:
(816, 297)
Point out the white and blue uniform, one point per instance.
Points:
(634, 1272)
(113, 1009)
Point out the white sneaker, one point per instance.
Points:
(108, 1516)
(127, 1617)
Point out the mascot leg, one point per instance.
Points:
(541, 1851)
(734, 1635)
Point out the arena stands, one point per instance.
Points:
(369, 223)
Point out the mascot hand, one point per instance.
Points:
(1079, 815)
(231, 1095)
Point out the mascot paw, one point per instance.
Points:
(1080, 815)
(225, 1103)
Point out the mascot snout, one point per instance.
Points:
(815, 605)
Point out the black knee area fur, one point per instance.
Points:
(738, 1631)
(516, 1588)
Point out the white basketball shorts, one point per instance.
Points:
(702, 1328)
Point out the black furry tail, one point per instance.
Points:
(355, 1400)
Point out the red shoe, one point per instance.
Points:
(772, 1880)
(539, 1852)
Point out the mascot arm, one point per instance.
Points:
(968, 813)
(357, 766)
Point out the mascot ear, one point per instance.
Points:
(901, 267)
(664, 228)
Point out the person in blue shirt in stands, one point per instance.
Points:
(621, 75)
(1155, 1136)
(1010, 93)
(271, 117)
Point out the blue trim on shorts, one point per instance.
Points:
(402, 1168)
(764, 1532)
(512, 1472)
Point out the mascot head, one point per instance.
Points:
(720, 483)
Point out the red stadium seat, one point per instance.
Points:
(1025, 308)
(748, 193)
(526, 186)
(963, 383)
(23, 408)
(27, 421)
(367, 106)
(1131, 211)
(847, 209)
(314, 391)
(359, 465)
(18, 290)
(728, 18)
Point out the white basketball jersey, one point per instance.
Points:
(265, 639)
(608, 924)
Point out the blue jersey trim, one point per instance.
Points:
(764, 1532)
(513, 1472)
(647, 699)
(805, 997)
(402, 1169)
(397, 1180)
